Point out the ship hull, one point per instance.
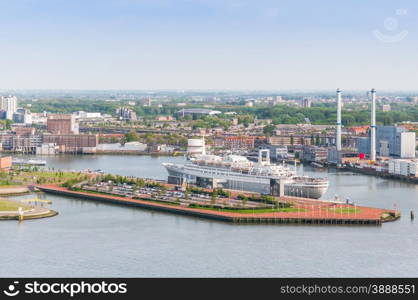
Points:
(240, 182)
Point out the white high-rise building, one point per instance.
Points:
(9, 105)
(407, 144)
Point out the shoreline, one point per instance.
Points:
(139, 153)
(388, 176)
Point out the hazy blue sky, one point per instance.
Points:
(208, 44)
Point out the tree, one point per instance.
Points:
(114, 139)
(277, 204)
(213, 197)
(131, 136)
(244, 201)
(317, 140)
(269, 130)
(139, 183)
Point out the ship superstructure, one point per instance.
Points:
(238, 173)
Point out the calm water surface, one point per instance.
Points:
(90, 239)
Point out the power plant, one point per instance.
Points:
(335, 154)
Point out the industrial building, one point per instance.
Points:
(382, 140)
(26, 144)
(73, 143)
(47, 149)
(62, 124)
(197, 111)
(390, 141)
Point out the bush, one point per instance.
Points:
(69, 183)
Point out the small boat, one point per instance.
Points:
(316, 164)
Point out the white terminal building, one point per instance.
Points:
(405, 167)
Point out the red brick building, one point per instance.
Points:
(73, 143)
(62, 124)
(24, 131)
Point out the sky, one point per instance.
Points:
(209, 44)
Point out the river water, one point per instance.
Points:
(89, 239)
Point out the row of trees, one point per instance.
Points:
(107, 107)
(154, 139)
(280, 114)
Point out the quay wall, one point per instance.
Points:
(381, 174)
(371, 216)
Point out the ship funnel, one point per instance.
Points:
(260, 156)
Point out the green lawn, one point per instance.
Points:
(17, 176)
(9, 205)
(7, 183)
(345, 210)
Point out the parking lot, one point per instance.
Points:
(171, 195)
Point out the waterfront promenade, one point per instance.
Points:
(311, 211)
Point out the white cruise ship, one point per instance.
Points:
(238, 173)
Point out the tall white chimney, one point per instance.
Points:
(338, 137)
(373, 127)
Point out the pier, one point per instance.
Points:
(34, 213)
(311, 211)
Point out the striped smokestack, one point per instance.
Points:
(373, 127)
(338, 133)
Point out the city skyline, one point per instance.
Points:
(208, 45)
